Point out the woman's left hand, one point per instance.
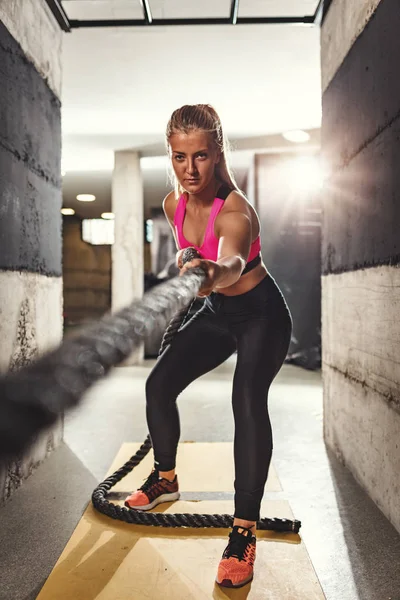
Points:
(213, 271)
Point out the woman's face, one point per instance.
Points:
(193, 157)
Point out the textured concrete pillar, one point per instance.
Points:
(361, 248)
(127, 251)
(30, 200)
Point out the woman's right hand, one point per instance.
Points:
(179, 256)
(178, 261)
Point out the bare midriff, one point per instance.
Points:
(246, 282)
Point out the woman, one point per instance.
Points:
(244, 311)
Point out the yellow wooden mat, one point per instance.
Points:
(201, 467)
(111, 560)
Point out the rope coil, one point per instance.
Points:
(138, 517)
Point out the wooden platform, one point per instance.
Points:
(201, 467)
(111, 560)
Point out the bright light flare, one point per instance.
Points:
(305, 174)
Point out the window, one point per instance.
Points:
(98, 231)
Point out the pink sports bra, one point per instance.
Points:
(209, 247)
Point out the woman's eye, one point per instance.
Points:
(178, 157)
(202, 155)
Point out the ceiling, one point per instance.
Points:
(169, 9)
(120, 85)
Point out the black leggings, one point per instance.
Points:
(258, 325)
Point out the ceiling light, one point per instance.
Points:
(297, 135)
(107, 215)
(67, 211)
(86, 197)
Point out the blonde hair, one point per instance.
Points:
(203, 117)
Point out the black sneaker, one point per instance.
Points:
(236, 566)
(155, 490)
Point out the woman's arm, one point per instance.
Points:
(235, 234)
(234, 247)
(169, 207)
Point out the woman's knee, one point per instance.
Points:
(249, 400)
(155, 388)
(159, 388)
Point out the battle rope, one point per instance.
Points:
(34, 397)
(138, 517)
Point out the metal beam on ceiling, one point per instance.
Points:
(234, 11)
(326, 7)
(146, 11)
(67, 24)
(59, 14)
(206, 21)
(322, 11)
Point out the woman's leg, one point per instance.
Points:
(262, 348)
(262, 345)
(199, 347)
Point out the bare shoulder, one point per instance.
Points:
(169, 206)
(237, 206)
(235, 213)
(237, 202)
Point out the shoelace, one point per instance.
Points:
(150, 481)
(237, 546)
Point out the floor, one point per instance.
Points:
(353, 547)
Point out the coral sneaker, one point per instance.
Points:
(155, 490)
(236, 566)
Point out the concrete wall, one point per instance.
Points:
(361, 245)
(30, 199)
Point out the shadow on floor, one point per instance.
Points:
(373, 544)
(33, 533)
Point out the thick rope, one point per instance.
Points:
(173, 328)
(179, 318)
(34, 397)
(138, 517)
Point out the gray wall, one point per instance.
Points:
(361, 244)
(30, 200)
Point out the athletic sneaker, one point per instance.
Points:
(155, 490)
(236, 566)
